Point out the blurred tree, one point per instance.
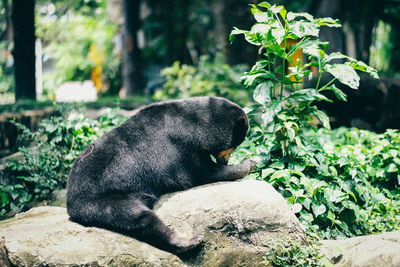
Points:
(132, 68)
(24, 48)
(392, 17)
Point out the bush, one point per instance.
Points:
(46, 164)
(6, 69)
(345, 182)
(338, 186)
(210, 77)
(292, 252)
(82, 48)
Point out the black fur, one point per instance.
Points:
(164, 148)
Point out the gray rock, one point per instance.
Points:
(235, 217)
(373, 250)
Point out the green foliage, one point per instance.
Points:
(78, 42)
(6, 69)
(344, 183)
(283, 115)
(210, 77)
(46, 165)
(292, 252)
(339, 183)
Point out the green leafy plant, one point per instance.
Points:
(339, 183)
(210, 77)
(285, 112)
(345, 184)
(78, 43)
(6, 69)
(292, 252)
(52, 151)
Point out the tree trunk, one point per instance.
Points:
(132, 75)
(24, 48)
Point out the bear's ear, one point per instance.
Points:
(239, 130)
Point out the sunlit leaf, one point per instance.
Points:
(261, 16)
(265, 4)
(323, 118)
(318, 209)
(345, 74)
(292, 15)
(262, 92)
(338, 93)
(304, 28)
(328, 22)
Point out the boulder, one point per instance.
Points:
(373, 250)
(236, 218)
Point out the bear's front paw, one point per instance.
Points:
(183, 245)
(251, 164)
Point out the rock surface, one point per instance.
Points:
(235, 217)
(374, 250)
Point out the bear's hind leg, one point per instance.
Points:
(130, 216)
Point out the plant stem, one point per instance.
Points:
(283, 67)
(319, 79)
(326, 85)
(294, 49)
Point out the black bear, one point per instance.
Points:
(164, 148)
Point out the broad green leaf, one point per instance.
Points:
(359, 65)
(311, 48)
(291, 133)
(261, 16)
(335, 55)
(318, 209)
(261, 64)
(262, 92)
(323, 118)
(283, 13)
(265, 4)
(254, 38)
(276, 9)
(296, 207)
(392, 168)
(234, 32)
(306, 203)
(331, 215)
(282, 174)
(345, 74)
(344, 226)
(328, 22)
(304, 28)
(338, 93)
(278, 34)
(14, 194)
(292, 15)
(4, 199)
(249, 79)
(260, 28)
(333, 170)
(308, 94)
(271, 111)
(267, 172)
(277, 165)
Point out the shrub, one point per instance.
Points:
(346, 183)
(210, 77)
(81, 46)
(335, 187)
(46, 164)
(292, 252)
